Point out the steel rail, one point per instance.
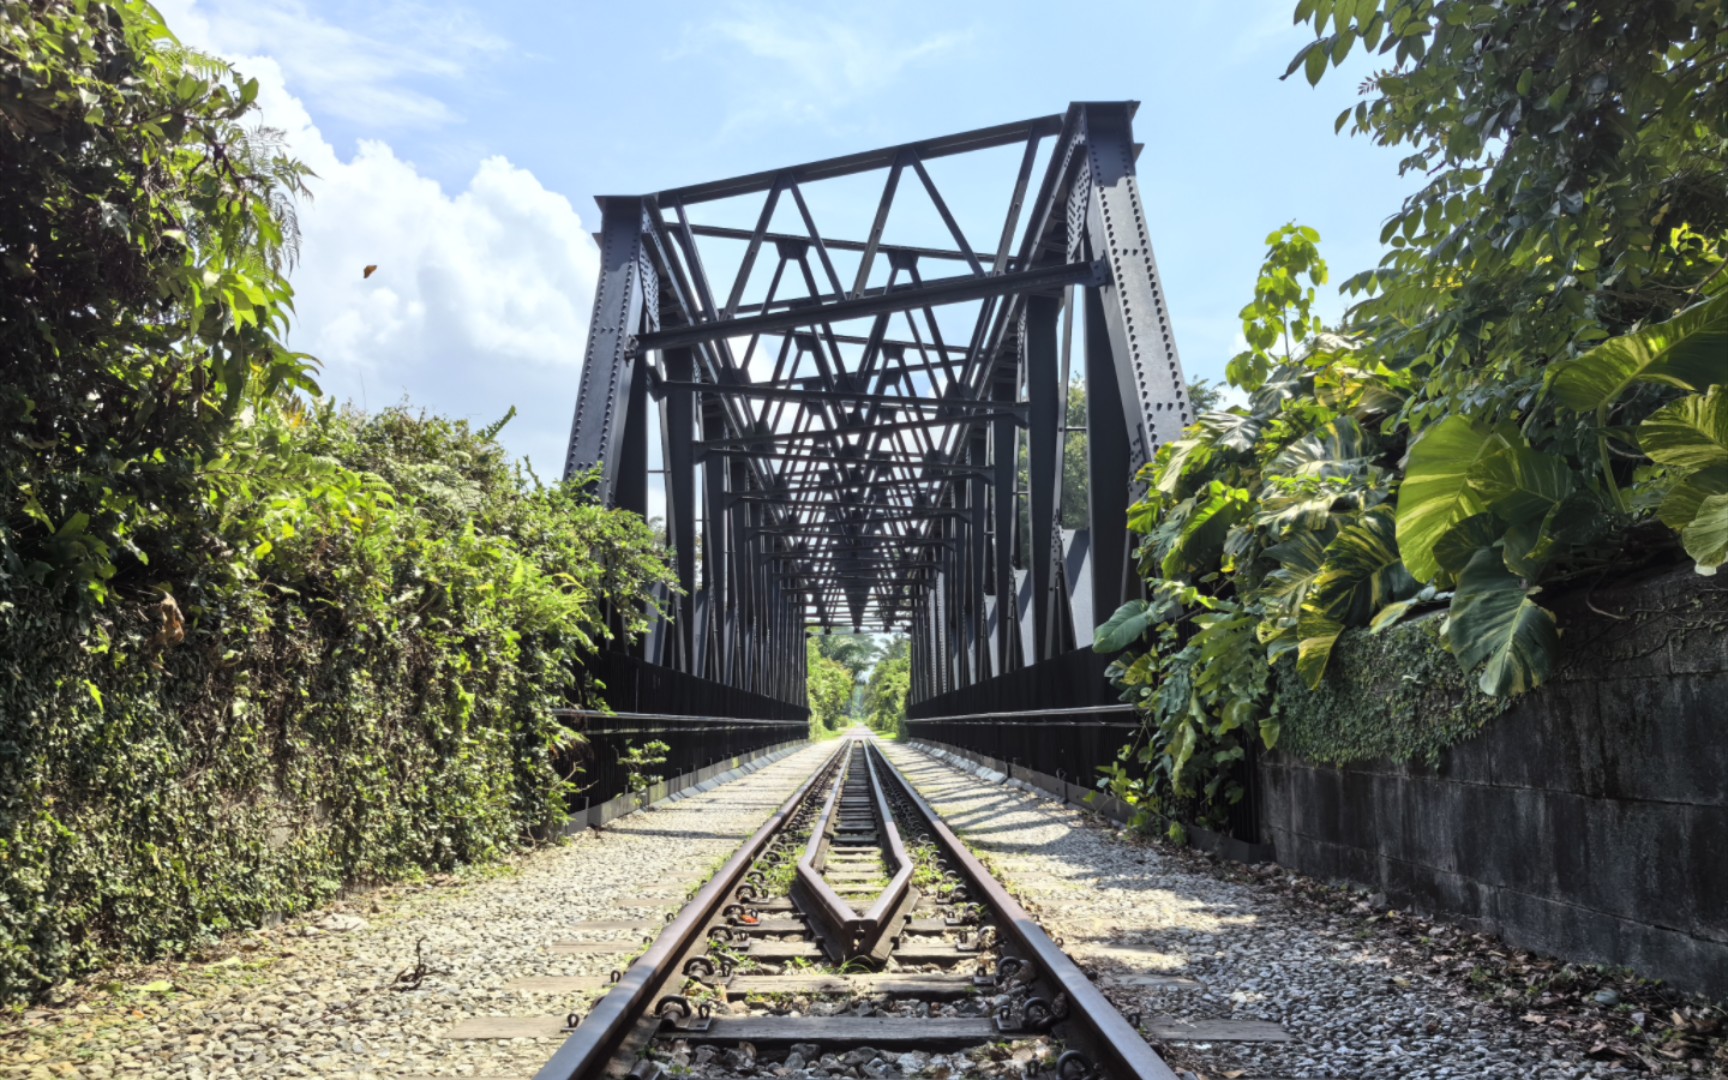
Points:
(588, 1050)
(678, 718)
(896, 899)
(1109, 1037)
(1074, 710)
(832, 919)
(844, 932)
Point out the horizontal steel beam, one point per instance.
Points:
(878, 459)
(933, 293)
(723, 233)
(868, 429)
(776, 393)
(849, 164)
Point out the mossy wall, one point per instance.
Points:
(1588, 820)
(1396, 695)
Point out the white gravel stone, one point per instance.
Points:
(1124, 907)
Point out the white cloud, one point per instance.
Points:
(481, 297)
(814, 64)
(356, 71)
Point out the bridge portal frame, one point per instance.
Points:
(882, 493)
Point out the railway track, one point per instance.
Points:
(852, 927)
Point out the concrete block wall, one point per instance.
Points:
(1589, 821)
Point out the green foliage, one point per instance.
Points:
(885, 693)
(1686, 351)
(830, 685)
(854, 652)
(1280, 317)
(254, 649)
(1494, 623)
(144, 236)
(1688, 439)
(246, 725)
(637, 760)
(1525, 384)
(1572, 158)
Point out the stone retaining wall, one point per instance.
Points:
(1589, 821)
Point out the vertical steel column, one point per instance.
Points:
(608, 369)
(716, 548)
(1004, 438)
(1148, 372)
(1046, 398)
(630, 492)
(978, 632)
(677, 434)
(1111, 470)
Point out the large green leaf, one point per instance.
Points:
(1301, 558)
(1494, 622)
(1123, 628)
(1573, 522)
(1436, 493)
(1201, 539)
(1706, 539)
(1460, 543)
(1691, 433)
(1335, 449)
(1682, 502)
(1521, 484)
(1362, 575)
(1686, 351)
(1214, 433)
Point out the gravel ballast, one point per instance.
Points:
(1239, 950)
(391, 983)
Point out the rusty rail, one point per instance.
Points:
(844, 933)
(594, 1042)
(1106, 1034)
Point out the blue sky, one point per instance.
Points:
(459, 147)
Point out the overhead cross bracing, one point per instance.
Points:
(848, 360)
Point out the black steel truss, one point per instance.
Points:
(836, 452)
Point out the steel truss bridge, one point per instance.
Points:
(852, 432)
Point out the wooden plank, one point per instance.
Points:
(926, 1033)
(583, 948)
(776, 926)
(1149, 982)
(560, 984)
(638, 925)
(935, 987)
(785, 950)
(911, 952)
(1169, 1030)
(929, 926)
(765, 907)
(507, 1027)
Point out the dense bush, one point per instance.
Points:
(890, 682)
(253, 649)
(1526, 392)
(830, 682)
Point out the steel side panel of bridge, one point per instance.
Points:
(837, 453)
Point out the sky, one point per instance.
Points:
(458, 147)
